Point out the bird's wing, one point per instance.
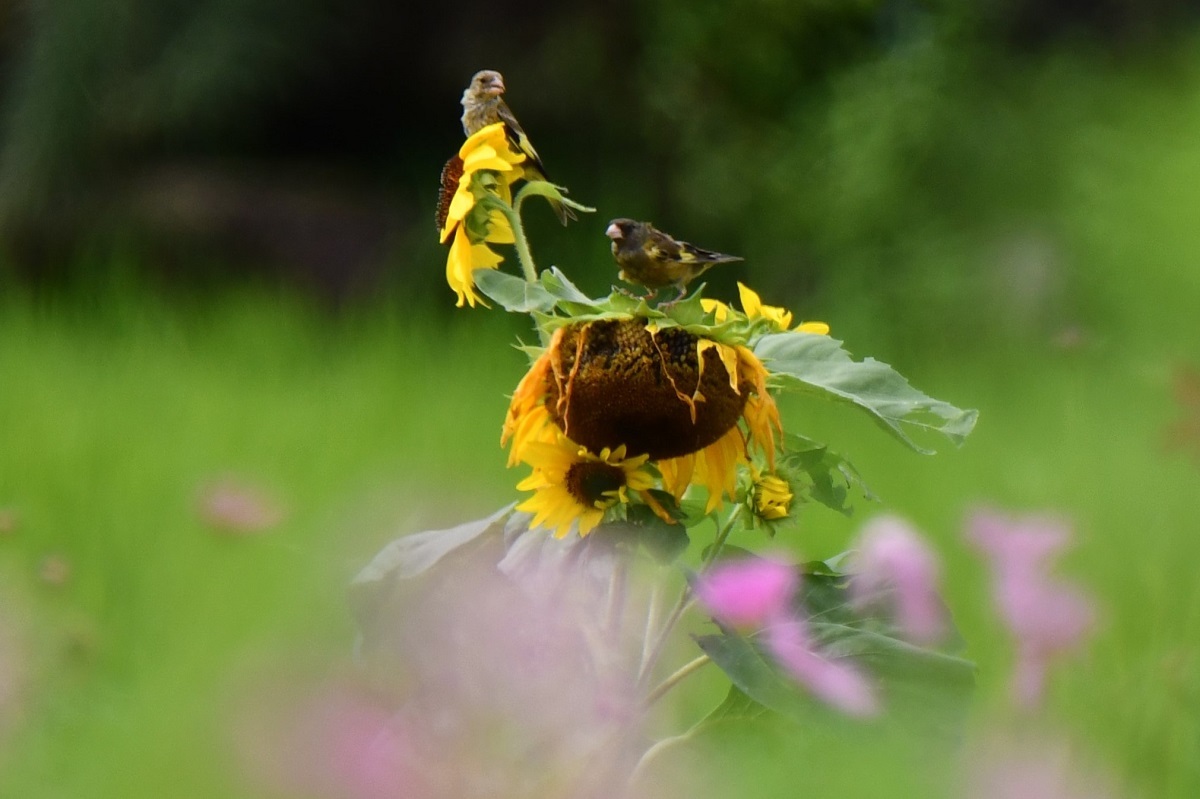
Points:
(662, 247)
(516, 136)
(700, 255)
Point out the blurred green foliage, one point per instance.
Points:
(948, 157)
(999, 199)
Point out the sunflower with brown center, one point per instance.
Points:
(572, 484)
(661, 392)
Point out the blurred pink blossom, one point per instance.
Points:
(895, 565)
(758, 592)
(839, 685)
(1047, 616)
(233, 507)
(484, 683)
(331, 741)
(16, 671)
(55, 570)
(748, 592)
(1033, 768)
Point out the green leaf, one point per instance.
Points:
(512, 293)
(831, 476)
(923, 688)
(543, 188)
(927, 687)
(736, 706)
(410, 555)
(755, 676)
(820, 366)
(688, 311)
(561, 288)
(664, 542)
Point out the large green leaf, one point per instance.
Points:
(755, 676)
(662, 541)
(512, 293)
(410, 555)
(736, 706)
(555, 282)
(831, 476)
(819, 365)
(923, 688)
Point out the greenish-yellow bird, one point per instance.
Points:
(483, 104)
(648, 257)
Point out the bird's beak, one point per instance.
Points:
(614, 232)
(496, 87)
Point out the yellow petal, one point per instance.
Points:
(499, 229)
(458, 269)
(819, 328)
(749, 299)
(719, 309)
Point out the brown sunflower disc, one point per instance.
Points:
(451, 173)
(613, 383)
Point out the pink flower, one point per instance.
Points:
(757, 593)
(330, 740)
(748, 592)
(9, 521)
(1046, 616)
(1040, 768)
(896, 566)
(839, 685)
(231, 507)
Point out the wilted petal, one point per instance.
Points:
(838, 684)
(748, 592)
(895, 564)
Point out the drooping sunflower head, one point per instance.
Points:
(476, 183)
(571, 484)
(624, 383)
(666, 393)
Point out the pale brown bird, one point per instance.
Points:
(651, 258)
(483, 104)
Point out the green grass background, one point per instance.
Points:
(118, 403)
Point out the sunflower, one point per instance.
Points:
(772, 495)
(473, 182)
(573, 484)
(626, 385)
(754, 307)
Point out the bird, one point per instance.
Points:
(483, 104)
(651, 258)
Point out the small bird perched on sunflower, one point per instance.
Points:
(483, 104)
(651, 258)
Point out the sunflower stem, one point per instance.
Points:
(679, 676)
(616, 596)
(651, 656)
(524, 255)
(651, 754)
(722, 534)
